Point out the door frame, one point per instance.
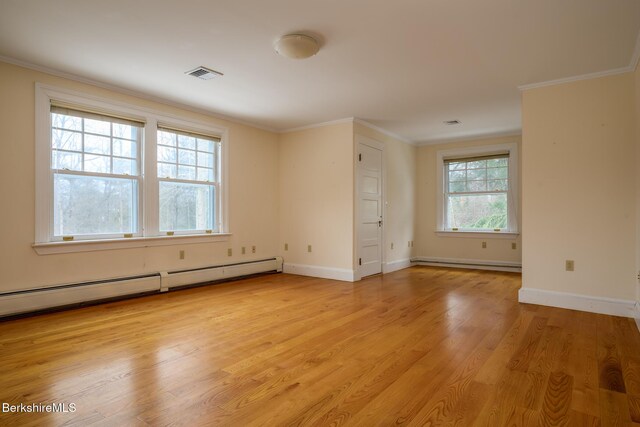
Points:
(378, 145)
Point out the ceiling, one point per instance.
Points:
(404, 65)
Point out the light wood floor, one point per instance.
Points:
(420, 346)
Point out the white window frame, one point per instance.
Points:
(149, 185)
(512, 193)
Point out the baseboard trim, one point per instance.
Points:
(591, 304)
(391, 266)
(343, 274)
(475, 264)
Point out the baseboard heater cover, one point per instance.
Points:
(33, 300)
(468, 264)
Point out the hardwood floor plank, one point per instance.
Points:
(421, 346)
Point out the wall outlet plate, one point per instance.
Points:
(569, 265)
(229, 252)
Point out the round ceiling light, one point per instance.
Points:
(296, 46)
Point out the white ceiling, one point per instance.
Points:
(402, 65)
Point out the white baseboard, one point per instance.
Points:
(343, 274)
(391, 266)
(601, 305)
(476, 264)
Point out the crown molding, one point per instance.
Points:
(478, 137)
(633, 63)
(636, 54)
(130, 92)
(589, 76)
(318, 125)
(384, 131)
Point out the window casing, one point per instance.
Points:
(478, 190)
(97, 164)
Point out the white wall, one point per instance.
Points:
(579, 187)
(431, 246)
(253, 187)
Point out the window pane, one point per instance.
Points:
(166, 170)
(205, 159)
(95, 163)
(186, 157)
(457, 175)
(64, 140)
(497, 173)
(124, 148)
(166, 154)
(479, 164)
(186, 142)
(92, 205)
(186, 172)
(64, 160)
(496, 163)
(186, 206)
(497, 185)
(97, 144)
(97, 126)
(166, 138)
(481, 211)
(457, 187)
(124, 166)
(205, 174)
(125, 131)
(476, 185)
(205, 145)
(476, 174)
(66, 122)
(458, 166)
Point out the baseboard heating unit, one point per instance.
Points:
(34, 300)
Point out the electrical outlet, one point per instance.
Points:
(308, 248)
(181, 254)
(484, 245)
(253, 249)
(243, 250)
(569, 265)
(409, 244)
(229, 252)
(391, 245)
(514, 246)
(286, 246)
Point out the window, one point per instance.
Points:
(478, 189)
(188, 178)
(110, 172)
(96, 179)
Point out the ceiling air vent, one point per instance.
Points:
(451, 122)
(204, 73)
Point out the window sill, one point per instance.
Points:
(478, 234)
(128, 243)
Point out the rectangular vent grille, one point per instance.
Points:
(204, 73)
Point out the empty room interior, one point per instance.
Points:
(320, 213)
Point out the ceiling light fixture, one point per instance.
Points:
(296, 46)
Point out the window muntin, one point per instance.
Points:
(188, 175)
(477, 193)
(95, 164)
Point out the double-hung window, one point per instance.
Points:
(189, 181)
(95, 163)
(478, 190)
(113, 173)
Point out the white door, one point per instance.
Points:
(369, 185)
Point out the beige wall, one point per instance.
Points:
(400, 191)
(253, 185)
(430, 245)
(579, 189)
(316, 196)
